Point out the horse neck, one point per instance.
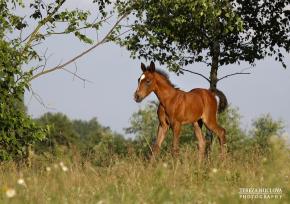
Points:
(164, 91)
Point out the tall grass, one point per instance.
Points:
(132, 179)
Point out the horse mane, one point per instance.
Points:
(165, 76)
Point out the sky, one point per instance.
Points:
(113, 75)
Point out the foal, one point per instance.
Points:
(178, 107)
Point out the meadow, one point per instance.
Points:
(72, 178)
(55, 159)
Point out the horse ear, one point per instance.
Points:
(143, 67)
(152, 67)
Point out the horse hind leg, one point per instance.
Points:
(220, 132)
(201, 141)
(208, 139)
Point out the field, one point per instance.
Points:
(132, 179)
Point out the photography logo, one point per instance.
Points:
(260, 193)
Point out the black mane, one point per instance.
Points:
(165, 76)
(163, 73)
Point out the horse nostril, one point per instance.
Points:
(136, 97)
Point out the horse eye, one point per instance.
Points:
(148, 81)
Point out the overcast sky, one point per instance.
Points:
(114, 79)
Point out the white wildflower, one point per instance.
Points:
(63, 167)
(101, 202)
(214, 170)
(10, 192)
(21, 182)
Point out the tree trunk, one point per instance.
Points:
(215, 53)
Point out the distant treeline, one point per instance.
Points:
(89, 138)
(99, 144)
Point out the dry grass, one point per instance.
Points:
(133, 180)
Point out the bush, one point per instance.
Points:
(17, 130)
(263, 128)
(87, 138)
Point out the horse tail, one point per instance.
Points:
(223, 102)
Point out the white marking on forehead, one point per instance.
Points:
(142, 77)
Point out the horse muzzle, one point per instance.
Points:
(137, 98)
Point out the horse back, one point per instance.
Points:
(188, 107)
(207, 96)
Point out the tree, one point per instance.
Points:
(61, 134)
(265, 127)
(48, 19)
(217, 33)
(92, 140)
(17, 130)
(22, 58)
(143, 124)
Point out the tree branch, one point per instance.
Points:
(233, 74)
(186, 70)
(229, 75)
(38, 99)
(104, 40)
(75, 75)
(78, 29)
(31, 36)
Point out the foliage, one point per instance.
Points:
(24, 26)
(263, 128)
(144, 125)
(91, 139)
(236, 136)
(61, 133)
(100, 145)
(214, 32)
(177, 33)
(17, 130)
(97, 143)
(49, 19)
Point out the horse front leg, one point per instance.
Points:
(162, 130)
(176, 134)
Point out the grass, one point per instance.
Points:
(134, 180)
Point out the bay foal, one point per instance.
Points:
(178, 107)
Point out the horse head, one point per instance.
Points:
(146, 82)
